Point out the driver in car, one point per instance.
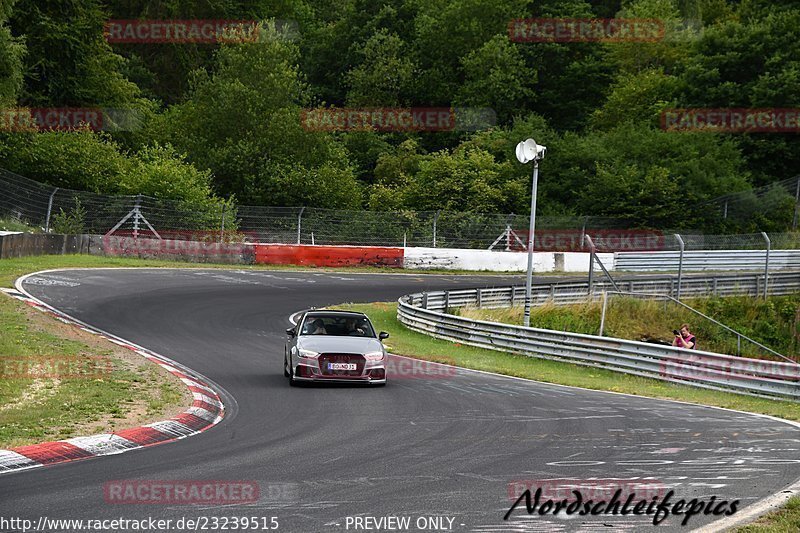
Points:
(352, 327)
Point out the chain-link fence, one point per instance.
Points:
(50, 209)
(770, 207)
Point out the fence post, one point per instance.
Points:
(222, 226)
(583, 229)
(299, 221)
(591, 263)
(435, 220)
(796, 203)
(766, 263)
(680, 265)
(137, 213)
(49, 210)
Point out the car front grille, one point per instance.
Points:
(326, 358)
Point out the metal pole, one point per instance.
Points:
(796, 203)
(299, 218)
(590, 283)
(680, 264)
(766, 263)
(531, 229)
(49, 210)
(136, 216)
(222, 227)
(435, 219)
(603, 313)
(583, 228)
(725, 210)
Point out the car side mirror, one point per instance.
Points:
(291, 332)
(383, 335)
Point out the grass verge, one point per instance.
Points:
(57, 381)
(773, 322)
(406, 342)
(784, 520)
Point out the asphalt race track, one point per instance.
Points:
(425, 446)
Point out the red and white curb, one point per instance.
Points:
(206, 410)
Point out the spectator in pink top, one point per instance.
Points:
(684, 338)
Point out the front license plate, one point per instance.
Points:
(342, 366)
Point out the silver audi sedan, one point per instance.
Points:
(335, 346)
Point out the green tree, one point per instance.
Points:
(69, 63)
(384, 76)
(11, 53)
(244, 123)
(496, 77)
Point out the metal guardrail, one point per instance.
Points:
(706, 260)
(427, 313)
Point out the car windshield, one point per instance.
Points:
(337, 325)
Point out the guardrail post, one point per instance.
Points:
(49, 210)
(680, 265)
(714, 287)
(766, 263)
(424, 300)
(479, 296)
(796, 203)
(513, 290)
(603, 313)
(447, 301)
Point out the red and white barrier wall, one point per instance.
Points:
(331, 256)
(423, 258)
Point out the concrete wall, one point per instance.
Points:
(28, 244)
(177, 250)
(465, 259)
(23, 244)
(332, 256)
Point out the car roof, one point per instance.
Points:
(335, 312)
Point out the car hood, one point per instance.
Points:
(333, 343)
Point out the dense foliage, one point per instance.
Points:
(224, 120)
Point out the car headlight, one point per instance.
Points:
(307, 354)
(374, 356)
